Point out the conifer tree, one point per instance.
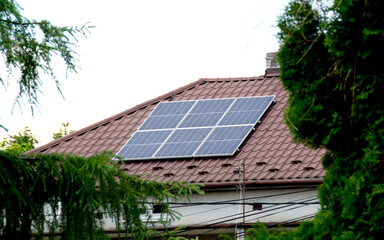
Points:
(60, 194)
(331, 65)
(330, 62)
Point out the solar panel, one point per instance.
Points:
(224, 140)
(183, 142)
(200, 128)
(206, 113)
(144, 144)
(167, 115)
(246, 111)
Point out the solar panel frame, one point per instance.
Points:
(184, 111)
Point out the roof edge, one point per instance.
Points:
(135, 108)
(299, 181)
(106, 120)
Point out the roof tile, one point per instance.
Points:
(268, 153)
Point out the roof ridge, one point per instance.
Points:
(232, 78)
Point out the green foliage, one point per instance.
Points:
(261, 232)
(27, 47)
(330, 64)
(79, 188)
(63, 131)
(19, 143)
(167, 233)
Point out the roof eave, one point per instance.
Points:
(300, 181)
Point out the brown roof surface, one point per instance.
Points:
(268, 153)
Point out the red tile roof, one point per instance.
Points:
(269, 155)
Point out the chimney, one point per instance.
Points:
(271, 60)
(273, 68)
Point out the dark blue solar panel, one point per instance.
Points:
(138, 151)
(172, 108)
(225, 133)
(201, 120)
(246, 111)
(213, 105)
(217, 148)
(224, 140)
(185, 149)
(239, 118)
(213, 127)
(161, 122)
(206, 113)
(249, 104)
(167, 115)
(189, 135)
(149, 137)
(183, 142)
(143, 144)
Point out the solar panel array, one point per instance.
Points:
(199, 128)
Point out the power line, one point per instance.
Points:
(236, 216)
(250, 203)
(287, 222)
(268, 209)
(302, 200)
(273, 207)
(181, 204)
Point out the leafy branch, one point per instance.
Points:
(27, 48)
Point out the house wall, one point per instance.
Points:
(276, 207)
(272, 210)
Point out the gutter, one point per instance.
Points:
(265, 182)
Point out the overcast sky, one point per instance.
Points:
(139, 50)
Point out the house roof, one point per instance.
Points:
(268, 154)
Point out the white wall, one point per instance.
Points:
(221, 213)
(229, 213)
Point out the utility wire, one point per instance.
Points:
(302, 202)
(268, 203)
(248, 215)
(236, 216)
(231, 225)
(284, 223)
(267, 209)
(302, 218)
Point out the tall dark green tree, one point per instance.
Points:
(331, 65)
(72, 189)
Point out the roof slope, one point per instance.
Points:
(268, 153)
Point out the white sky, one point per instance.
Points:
(139, 50)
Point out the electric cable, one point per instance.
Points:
(232, 200)
(306, 217)
(235, 216)
(306, 199)
(275, 208)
